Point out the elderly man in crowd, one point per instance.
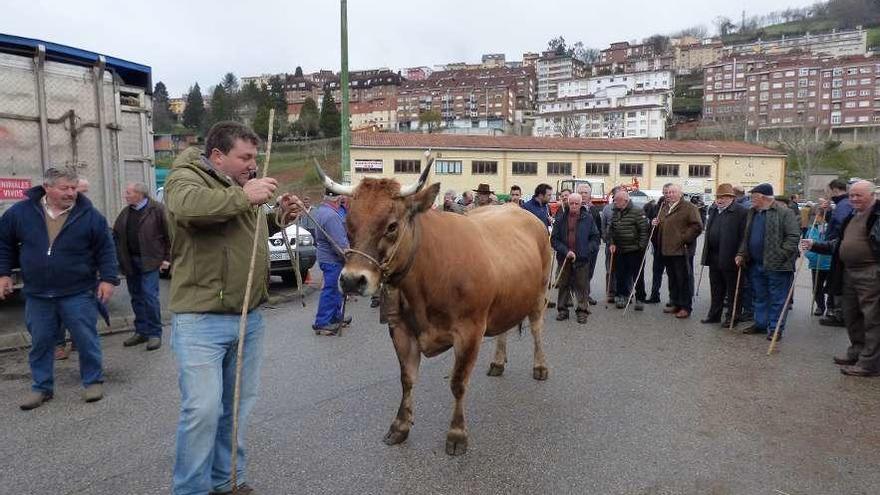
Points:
(329, 317)
(606, 215)
(575, 237)
(143, 247)
(466, 201)
(769, 249)
(449, 203)
(485, 196)
(63, 246)
(856, 279)
(657, 267)
(629, 239)
(678, 226)
(586, 193)
(725, 227)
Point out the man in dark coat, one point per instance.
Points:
(725, 227)
(678, 226)
(575, 238)
(143, 247)
(538, 204)
(629, 239)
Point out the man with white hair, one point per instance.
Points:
(856, 279)
(575, 238)
(586, 192)
(769, 249)
(144, 248)
(678, 226)
(329, 317)
(449, 203)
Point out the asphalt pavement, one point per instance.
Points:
(639, 404)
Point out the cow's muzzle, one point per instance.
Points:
(357, 282)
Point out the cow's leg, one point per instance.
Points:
(536, 322)
(496, 367)
(466, 349)
(409, 357)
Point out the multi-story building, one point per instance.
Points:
(552, 69)
(530, 59)
(635, 105)
(836, 44)
(622, 51)
(494, 60)
(824, 94)
(622, 57)
(177, 106)
(259, 81)
(485, 98)
(695, 56)
(416, 73)
(296, 91)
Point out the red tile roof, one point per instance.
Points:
(450, 141)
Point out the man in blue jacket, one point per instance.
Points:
(538, 204)
(575, 239)
(837, 211)
(65, 251)
(329, 316)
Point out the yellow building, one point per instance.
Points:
(464, 161)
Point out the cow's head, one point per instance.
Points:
(381, 228)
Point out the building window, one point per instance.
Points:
(630, 169)
(593, 168)
(525, 168)
(448, 167)
(407, 166)
(482, 167)
(699, 170)
(368, 166)
(667, 170)
(558, 168)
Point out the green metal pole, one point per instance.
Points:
(346, 124)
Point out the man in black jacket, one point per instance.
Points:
(144, 248)
(629, 239)
(575, 238)
(725, 227)
(855, 277)
(586, 192)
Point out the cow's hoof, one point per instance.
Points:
(394, 437)
(540, 373)
(495, 369)
(456, 442)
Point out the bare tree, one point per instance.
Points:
(724, 25)
(568, 126)
(805, 151)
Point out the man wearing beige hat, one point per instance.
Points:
(725, 227)
(484, 196)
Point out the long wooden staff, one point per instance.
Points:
(739, 271)
(242, 323)
(641, 267)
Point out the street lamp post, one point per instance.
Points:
(345, 126)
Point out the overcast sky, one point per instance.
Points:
(185, 41)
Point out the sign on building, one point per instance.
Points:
(13, 188)
(368, 166)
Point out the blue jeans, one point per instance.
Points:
(769, 290)
(330, 303)
(205, 347)
(79, 314)
(144, 290)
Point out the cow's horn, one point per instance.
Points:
(411, 189)
(332, 185)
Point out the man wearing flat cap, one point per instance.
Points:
(725, 227)
(769, 249)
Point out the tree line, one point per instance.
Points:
(248, 103)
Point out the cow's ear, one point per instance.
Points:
(424, 199)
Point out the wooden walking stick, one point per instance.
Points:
(639, 274)
(784, 308)
(699, 280)
(608, 278)
(242, 323)
(555, 283)
(816, 274)
(739, 271)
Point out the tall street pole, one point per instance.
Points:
(346, 124)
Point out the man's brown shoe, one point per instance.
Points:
(242, 490)
(93, 392)
(844, 361)
(34, 400)
(857, 370)
(134, 340)
(683, 313)
(670, 309)
(61, 352)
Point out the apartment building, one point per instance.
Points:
(466, 99)
(635, 105)
(465, 161)
(552, 69)
(622, 51)
(833, 95)
(416, 73)
(695, 56)
(844, 43)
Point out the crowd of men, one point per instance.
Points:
(70, 259)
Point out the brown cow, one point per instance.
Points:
(440, 292)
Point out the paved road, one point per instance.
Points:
(638, 405)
